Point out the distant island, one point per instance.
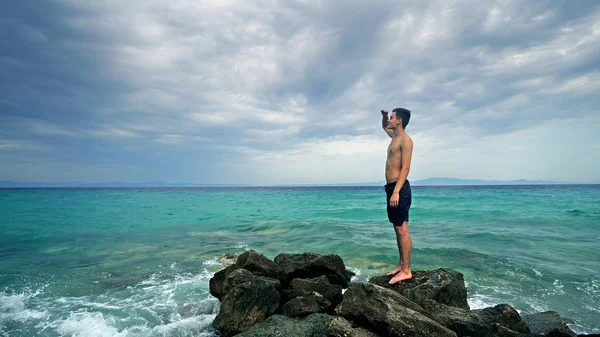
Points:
(463, 182)
(158, 184)
(75, 184)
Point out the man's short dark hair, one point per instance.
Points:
(404, 114)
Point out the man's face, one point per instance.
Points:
(393, 122)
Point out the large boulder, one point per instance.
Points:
(310, 265)
(305, 287)
(456, 319)
(548, 323)
(489, 322)
(283, 326)
(258, 264)
(443, 285)
(305, 305)
(249, 300)
(387, 312)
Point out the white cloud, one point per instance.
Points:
(21, 145)
(114, 132)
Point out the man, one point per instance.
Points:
(397, 189)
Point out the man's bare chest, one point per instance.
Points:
(394, 149)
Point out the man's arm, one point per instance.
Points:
(384, 123)
(407, 148)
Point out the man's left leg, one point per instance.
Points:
(404, 250)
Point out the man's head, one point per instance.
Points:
(400, 116)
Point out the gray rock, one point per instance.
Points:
(341, 327)
(305, 287)
(246, 304)
(305, 305)
(456, 319)
(240, 276)
(384, 311)
(497, 330)
(504, 315)
(477, 323)
(283, 326)
(228, 259)
(215, 284)
(444, 285)
(546, 322)
(310, 265)
(257, 264)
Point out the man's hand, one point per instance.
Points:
(394, 199)
(384, 123)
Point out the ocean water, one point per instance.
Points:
(137, 262)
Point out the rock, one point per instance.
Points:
(561, 332)
(240, 276)
(305, 287)
(487, 322)
(504, 315)
(385, 311)
(309, 265)
(456, 319)
(497, 330)
(283, 326)
(546, 322)
(256, 263)
(444, 285)
(245, 304)
(228, 259)
(215, 284)
(341, 327)
(305, 305)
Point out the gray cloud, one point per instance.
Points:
(127, 83)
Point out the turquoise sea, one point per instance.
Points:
(136, 262)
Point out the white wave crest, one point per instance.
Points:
(176, 305)
(13, 308)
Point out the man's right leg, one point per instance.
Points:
(399, 243)
(404, 250)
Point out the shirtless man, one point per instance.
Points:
(398, 192)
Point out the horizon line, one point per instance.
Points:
(148, 184)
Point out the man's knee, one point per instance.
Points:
(401, 229)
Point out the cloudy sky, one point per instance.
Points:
(278, 92)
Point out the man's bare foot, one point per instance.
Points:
(403, 275)
(395, 271)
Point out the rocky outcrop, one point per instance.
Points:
(301, 295)
(444, 285)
